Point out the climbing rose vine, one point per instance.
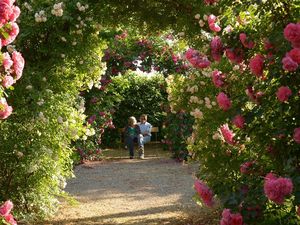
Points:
(12, 63)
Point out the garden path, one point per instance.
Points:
(157, 190)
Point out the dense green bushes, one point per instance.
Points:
(127, 95)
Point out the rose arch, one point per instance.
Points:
(241, 87)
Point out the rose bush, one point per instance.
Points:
(246, 106)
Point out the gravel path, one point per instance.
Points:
(133, 192)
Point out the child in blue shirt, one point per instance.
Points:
(132, 133)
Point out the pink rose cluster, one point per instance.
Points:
(216, 46)
(256, 65)
(239, 121)
(12, 65)
(218, 78)
(196, 59)
(292, 58)
(229, 218)
(227, 134)
(254, 96)
(246, 167)
(8, 15)
(5, 109)
(210, 2)
(283, 93)
(224, 101)
(235, 55)
(245, 42)
(204, 192)
(5, 210)
(296, 135)
(212, 23)
(276, 189)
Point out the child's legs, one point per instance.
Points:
(130, 145)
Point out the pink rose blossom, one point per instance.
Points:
(196, 59)
(229, 218)
(295, 55)
(246, 44)
(10, 219)
(296, 135)
(234, 55)
(283, 93)
(239, 121)
(218, 78)
(256, 65)
(211, 19)
(5, 109)
(6, 208)
(267, 44)
(289, 64)
(292, 32)
(223, 101)
(216, 46)
(7, 81)
(19, 63)
(276, 189)
(204, 192)
(215, 27)
(15, 13)
(7, 62)
(212, 23)
(210, 2)
(246, 167)
(227, 134)
(12, 34)
(5, 12)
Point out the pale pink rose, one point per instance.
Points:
(19, 63)
(276, 189)
(289, 64)
(7, 81)
(7, 62)
(239, 121)
(5, 109)
(218, 78)
(229, 218)
(245, 42)
(12, 34)
(227, 134)
(6, 207)
(292, 32)
(15, 13)
(10, 219)
(283, 93)
(256, 65)
(223, 101)
(296, 135)
(216, 46)
(204, 193)
(295, 55)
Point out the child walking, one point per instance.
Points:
(132, 133)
